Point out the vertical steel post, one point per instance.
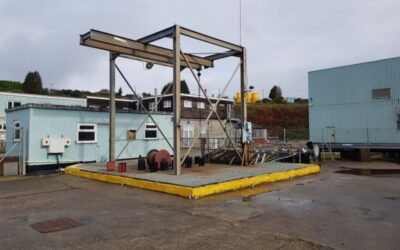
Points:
(177, 100)
(112, 108)
(243, 91)
(24, 137)
(155, 99)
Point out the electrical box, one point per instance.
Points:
(56, 145)
(247, 135)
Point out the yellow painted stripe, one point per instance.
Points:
(196, 192)
(253, 181)
(151, 185)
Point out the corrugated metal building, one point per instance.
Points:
(356, 106)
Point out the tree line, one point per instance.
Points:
(33, 85)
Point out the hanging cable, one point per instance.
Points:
(240, 22)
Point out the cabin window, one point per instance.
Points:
(17, 131)
(187, 104)
(381, 93)
(11, 104)
(167, 103)
(201, 105)
(87, 133)
(150, 131)
(4, 126)
(152, 105)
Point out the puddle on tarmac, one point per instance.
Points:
(252, 194)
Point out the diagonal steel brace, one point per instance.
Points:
(144, 108)
(211, 104)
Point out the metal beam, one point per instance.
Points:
(222, 55)
(209, 39)
(129, 47)
(177, 100)
(112, 108)
(243, 91)
(168, 32)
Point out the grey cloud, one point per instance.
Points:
(285, 39)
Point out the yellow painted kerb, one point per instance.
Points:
(196, 192)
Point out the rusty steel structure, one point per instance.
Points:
(143, 50)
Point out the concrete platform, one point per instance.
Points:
(197, 181)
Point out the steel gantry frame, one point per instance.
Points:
(142, 50)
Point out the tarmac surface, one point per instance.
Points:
(325, 211)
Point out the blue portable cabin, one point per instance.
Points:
(356, 106)
(10, 100)
(81, 134)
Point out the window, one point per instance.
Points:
(11, 104)
(152, 105)
(188, 135)
(167, 103)
(381, 93)
(87, 133)
(17, 131)
(187, 104)
(1, 127)
(201, 105)
(150, 131)
(4, 126)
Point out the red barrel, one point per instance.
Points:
(122, 167)
(110, 166)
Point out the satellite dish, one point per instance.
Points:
(316, 150)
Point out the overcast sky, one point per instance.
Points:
(284, 39)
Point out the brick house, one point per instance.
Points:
(194, 111)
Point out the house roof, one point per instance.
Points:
(78, 108)
(189, 95)
(41, 96)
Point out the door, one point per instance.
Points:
(330, 134)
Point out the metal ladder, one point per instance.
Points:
(327, 147)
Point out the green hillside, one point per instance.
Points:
(10, 86)
(276, 117)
